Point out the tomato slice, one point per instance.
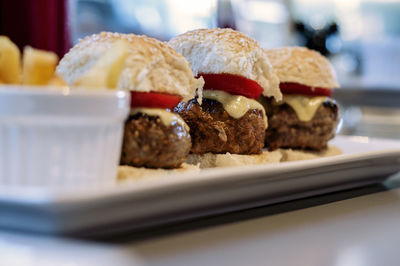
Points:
(154, 100)
(232, 84)
(296, 88)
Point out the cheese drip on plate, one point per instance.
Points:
(235, 105)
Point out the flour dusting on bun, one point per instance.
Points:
(228, 51)
(303, 66)
(151, 65)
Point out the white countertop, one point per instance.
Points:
(358, 231)
(24, 249)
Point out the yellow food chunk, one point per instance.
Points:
(56, 80)
(106, 71)
(10, 61)
(38, 66)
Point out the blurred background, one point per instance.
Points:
(360, 37)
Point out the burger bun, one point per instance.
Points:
(304, 66)
(227, 51)
(150, 65)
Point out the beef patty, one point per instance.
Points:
(285, 130)
(213, 130)
(149, 143)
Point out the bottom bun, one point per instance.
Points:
(126, 173)
(289, 155)
(210, 160)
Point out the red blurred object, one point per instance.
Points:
(154, 99)
(295, 88)
(233, 84)
(41, 24)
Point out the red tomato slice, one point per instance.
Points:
(233, 84)
(154, 99)
(296, 88)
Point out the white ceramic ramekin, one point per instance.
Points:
(61, 138)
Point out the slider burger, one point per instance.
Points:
(158, 78)
(306, 117)
(236, 72)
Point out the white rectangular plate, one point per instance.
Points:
(157, 201)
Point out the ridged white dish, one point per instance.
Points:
(60, 138)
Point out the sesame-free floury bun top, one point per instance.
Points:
(226, 51)
(150, 66)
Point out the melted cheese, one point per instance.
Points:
(235, 105)
(167, 118)
(305, 107)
